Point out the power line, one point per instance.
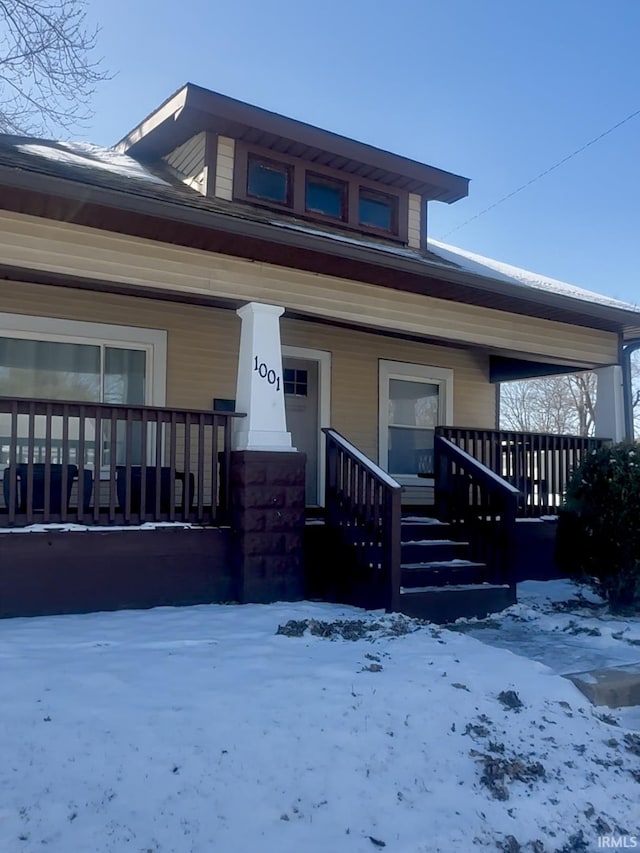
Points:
(546, 172)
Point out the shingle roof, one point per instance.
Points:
(95, 166)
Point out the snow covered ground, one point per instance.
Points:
(201, 729)
(574, 637)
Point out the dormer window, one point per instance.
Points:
(269, 181)
(326, 196)
(378, 210)
(313, 191)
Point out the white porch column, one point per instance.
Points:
(610, 403)
(260, 387)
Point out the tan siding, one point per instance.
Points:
(354, 377)
(415, 225)
(224, 168)
(201, 342)
(38, 243)
(202, 345)
(189, 161)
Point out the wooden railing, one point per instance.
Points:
(363, 518)
(480, 506)
(101, 464)
(539, 465)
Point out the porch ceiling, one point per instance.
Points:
(508, 369)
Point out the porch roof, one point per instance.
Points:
(102, 188)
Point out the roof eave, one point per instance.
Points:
(193, 107)
(617, 320)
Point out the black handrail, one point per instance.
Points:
(480, 506)
(538, 464)
(363, 517)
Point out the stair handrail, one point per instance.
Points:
(469, 494)
(363, 511)
(539, 464)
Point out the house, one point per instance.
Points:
(231, 319)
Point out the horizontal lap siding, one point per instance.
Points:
(415, 225)
(224, 168)
(41, 244)
(189, 160)
(354, 377)
(203, 344)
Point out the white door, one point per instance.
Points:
(301, 405)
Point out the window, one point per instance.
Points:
(53, 370)
(414, 399)
(377, 210)
(326, 196)
(269, 180)
(296, 382)
(314, 191)
(413, 416)
(50, 359)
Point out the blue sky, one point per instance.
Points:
(496, 90)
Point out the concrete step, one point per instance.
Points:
(442, 573)
(448, 603)
(614, 686)
(428, 550)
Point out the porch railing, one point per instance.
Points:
(100, 464)
(363, 516)
(539, 465)
(480, 506)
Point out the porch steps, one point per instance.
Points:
(447, 603)
(438, 580)
(432, 550)
(441, 573)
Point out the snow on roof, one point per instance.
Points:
(86, 155)
(89, 156)
(472, 263)
(479, 265)
(389, 248)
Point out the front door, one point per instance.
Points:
(301, 405)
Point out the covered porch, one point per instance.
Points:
(163, 457)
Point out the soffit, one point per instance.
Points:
(194, 109)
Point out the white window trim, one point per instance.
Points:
(323, 358)
(152, 341)
(440, 376)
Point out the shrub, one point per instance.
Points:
(599, 525)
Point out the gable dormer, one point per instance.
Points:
(237, 152)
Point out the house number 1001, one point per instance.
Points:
(266, 373)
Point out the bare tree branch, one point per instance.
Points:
(559, 404)
(47, 71)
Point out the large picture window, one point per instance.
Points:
(414, 399)
(52, 370)
(48, 359)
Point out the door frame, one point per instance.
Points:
(323, 359)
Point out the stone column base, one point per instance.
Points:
(267, 516)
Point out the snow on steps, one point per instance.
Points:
(439, 583)
(443, 604)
